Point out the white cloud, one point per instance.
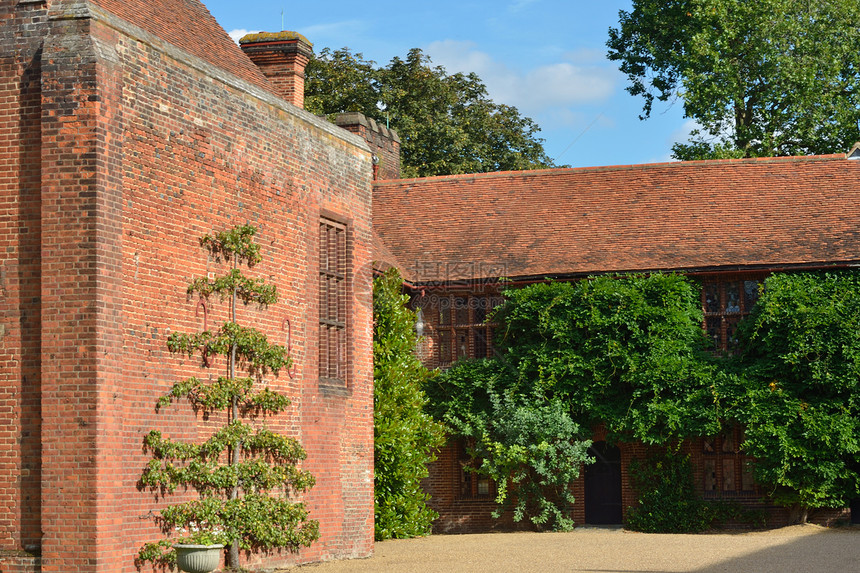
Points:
(330, 33)
(333, 33)
(238, 33)
(519, 5)
(682, 134)
(540, 89)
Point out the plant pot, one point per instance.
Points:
(198, 558)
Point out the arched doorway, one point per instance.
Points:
(603, 485)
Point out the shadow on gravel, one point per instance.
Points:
(828, 550)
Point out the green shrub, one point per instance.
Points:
(801, 401)
(405, 438)
(529, 445)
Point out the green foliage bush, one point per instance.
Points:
(405, 438)
(246, 476)
(800, 394)
(629, 352)
(624, 351)
(528, 444)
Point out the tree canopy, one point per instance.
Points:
(764, 78)
(447, 123)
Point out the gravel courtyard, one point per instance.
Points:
(805, 548)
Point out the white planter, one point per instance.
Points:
(198, 558)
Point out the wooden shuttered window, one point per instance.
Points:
(333, 302)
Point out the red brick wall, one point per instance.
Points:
(135, 152)
(473, 515)
(20, 314)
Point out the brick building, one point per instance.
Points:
(128, 129)
(726, 223)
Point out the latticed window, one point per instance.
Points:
(462, 330)
(727, 472)
(725, 303)
(333, 301)
(472, 485)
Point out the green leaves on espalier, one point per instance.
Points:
(237, 242)
(253, 350)
(220, 394)
(178, 464)
(258, 521)
(248, 290)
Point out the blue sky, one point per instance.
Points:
(545, 57)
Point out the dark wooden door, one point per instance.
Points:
(603, 485)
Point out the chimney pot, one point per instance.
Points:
(282, 57)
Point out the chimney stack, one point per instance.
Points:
(282, 57)
(383, 142)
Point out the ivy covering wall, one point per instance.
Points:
(629, 352)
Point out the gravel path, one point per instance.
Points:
(805, 548)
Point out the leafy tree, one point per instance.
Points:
(447, 124)
(801, 401)
(764, 78)
(247, 502)
(405, 438)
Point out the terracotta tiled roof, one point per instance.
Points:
(187, 24)
(702, 215)
(383, 258)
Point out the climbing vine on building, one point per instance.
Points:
(526, 442)
(800, 394)
(626, 352)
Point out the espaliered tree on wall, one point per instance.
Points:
(246, 475)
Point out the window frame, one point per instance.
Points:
(720, 318)
(726, 471)
(460, 326)
(333, 335)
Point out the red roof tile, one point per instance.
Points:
(383, 258)
(672, 216)
(187, 24)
